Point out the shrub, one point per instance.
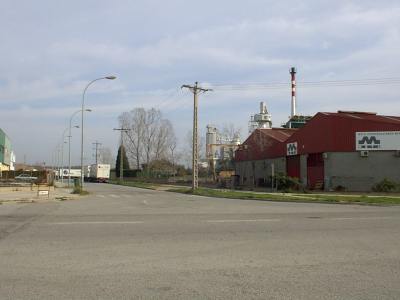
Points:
(287, 183)
(340, 188)
(385, 186)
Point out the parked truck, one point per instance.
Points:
(99, 173)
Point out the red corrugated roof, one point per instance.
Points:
(264, 143)
(366, 116)
(325, 132)
(335, 132)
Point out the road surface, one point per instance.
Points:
(128, 243)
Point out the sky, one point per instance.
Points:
(52, 49)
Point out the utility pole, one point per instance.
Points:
(195, 89)
(96, 145)
(121, 159)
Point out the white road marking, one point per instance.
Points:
(96, 222)
(145, 202)
(237, 221)
(362, 218)
(126, 196)
(101, 196)
(114, 196)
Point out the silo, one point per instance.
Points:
(211, 140)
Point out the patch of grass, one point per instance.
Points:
(356, 199)
(138, 184)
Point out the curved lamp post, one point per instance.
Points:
(62, 154)
(82, 110)
(69, 143)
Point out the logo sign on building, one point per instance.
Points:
(291, 149)
(378, 141)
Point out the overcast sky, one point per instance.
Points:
(51, 49)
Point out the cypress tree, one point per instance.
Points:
(125, 161)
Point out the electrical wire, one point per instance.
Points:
(307, 84)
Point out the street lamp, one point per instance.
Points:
(69, 142)
(62, 155)
(57, 161)
(82, 110)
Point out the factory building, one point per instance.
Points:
(346, 150)
(261, 156)
(220, 148)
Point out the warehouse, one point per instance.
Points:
(262, 155)
(343, 150)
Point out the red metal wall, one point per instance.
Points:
(315, 169)
(335, 132)
(293, 166)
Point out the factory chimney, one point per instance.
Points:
(293, 74)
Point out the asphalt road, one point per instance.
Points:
(127, 243)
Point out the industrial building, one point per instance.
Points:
(343, 150)
(219, 148)
(7, 157)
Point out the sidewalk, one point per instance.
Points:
(30, 196)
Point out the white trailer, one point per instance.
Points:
(99, 173)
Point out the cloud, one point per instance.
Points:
(153, 52)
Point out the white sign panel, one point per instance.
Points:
(74, 172)
(43, 193)
(378, 141)
(291, 149)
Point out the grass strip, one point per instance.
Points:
(143, 185)
(362, 199)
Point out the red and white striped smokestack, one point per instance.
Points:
(293, 73)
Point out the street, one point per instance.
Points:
(128, 243)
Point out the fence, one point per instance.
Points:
(45, 176)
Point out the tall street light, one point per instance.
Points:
(62, 154)
(69, 143)
(82, 110)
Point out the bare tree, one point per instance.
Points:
(151, 129)
(149, 135)
(229, 132)
(189, 147)
(172, 143)
(133, 139)
(165, 136)
(106, 156)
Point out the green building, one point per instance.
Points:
(297, 121)
(5, 151)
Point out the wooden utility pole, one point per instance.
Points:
(195, 89)
(121, 158)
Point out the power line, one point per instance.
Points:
(308, 84)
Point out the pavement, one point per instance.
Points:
(129, 243)
(26, 194)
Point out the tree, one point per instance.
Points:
(151, 129)
(118, 161)
(164, 137)
(229, 132)
(188, 153)
(105, 156)
(149, 136)
(134, 120)
(172, 146)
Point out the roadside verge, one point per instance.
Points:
(368, 199)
